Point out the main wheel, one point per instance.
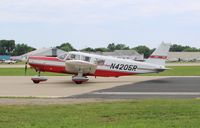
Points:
(36, 81)
(78, 82)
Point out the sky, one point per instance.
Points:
(96, 23)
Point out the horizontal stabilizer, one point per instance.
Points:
(162, 69)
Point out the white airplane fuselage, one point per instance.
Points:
(105, 66)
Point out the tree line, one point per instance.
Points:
(8, 47)
(142, 49)
(110, 48)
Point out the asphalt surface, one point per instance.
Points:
(61, 90)
(60, 86)
(173, 87)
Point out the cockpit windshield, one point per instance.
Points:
(72, 56)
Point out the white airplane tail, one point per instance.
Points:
(159, 56)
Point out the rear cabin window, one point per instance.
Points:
(86, 58)
(99, 61)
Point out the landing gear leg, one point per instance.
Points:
(79, 79)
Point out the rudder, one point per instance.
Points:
(159, 56)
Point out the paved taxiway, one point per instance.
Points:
(60, 86)
(60, 89)
(12, 65)
(171, 87)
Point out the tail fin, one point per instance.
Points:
(159, 56)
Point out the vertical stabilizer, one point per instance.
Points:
(159, 56)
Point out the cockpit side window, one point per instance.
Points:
(62, 57)
(72, 56)
(77, 57)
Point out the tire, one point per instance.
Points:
(36, 81)
(78, 82)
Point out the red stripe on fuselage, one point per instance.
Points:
(109, 73)
(45, 58)
(158, 57)
(61, 69)
(49, 68)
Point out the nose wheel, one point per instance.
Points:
(38, 79)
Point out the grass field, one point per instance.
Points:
(18, 63)
(124, 114)
(21, 72)
(175, 71)
(179, 71)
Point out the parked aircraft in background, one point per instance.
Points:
(9, 61)
(82, 65)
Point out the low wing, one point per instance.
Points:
(76, 66)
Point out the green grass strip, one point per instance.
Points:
(21, 72)
(175, 71)
(179, 71)
(126, 114)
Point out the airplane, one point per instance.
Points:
(81, 65)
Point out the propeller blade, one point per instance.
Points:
(26, 66)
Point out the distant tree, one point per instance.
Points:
(21, 49)
(88, 49)
(180, 48)
(191, 49)
(143, 50)
(177, 48)
(101, 49)
(66, 47)
(121, 47)
(7, 47)
(111, 47)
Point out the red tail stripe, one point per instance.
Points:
(158, 57)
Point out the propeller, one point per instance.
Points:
(26, 66)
